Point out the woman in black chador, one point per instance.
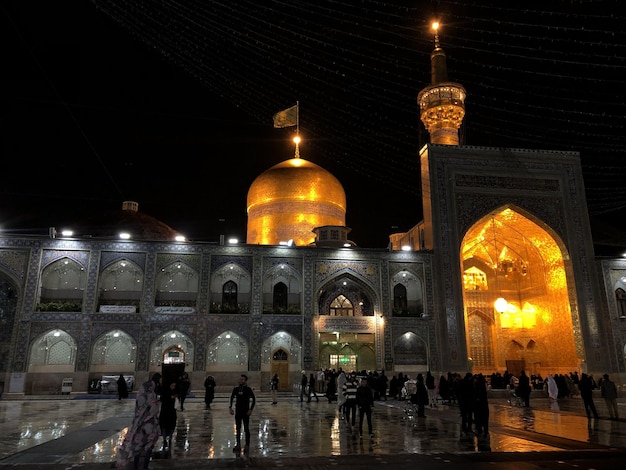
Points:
(209, 391)
(122, 388)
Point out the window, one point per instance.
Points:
(620, 297)
(280, 355)
(399, 298)
(341, 307)
(280, 297)
(229, 297)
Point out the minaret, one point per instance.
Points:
(442, 103)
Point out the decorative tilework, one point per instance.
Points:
(14, 263)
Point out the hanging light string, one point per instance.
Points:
(550, 78)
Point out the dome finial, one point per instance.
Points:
(296, 140)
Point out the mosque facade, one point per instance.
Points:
(499, 275)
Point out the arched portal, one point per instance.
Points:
(516, 299)
(346, 325)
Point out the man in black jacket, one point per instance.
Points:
(244, 399)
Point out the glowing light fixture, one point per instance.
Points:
(501, 305)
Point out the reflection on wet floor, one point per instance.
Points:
(295, 429)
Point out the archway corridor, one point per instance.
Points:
(516, 299)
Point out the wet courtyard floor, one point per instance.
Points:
(87, 430)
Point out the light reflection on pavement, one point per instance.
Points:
(295, 429)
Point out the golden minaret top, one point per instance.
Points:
(442, 103)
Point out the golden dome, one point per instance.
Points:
(290, 199)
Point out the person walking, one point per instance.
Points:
(312, 393)
(430, 386)
(274, 388)
(552, 388)
(349, 392)
(122, 388)
(244, 399)
(209, 391)
(167, 416)
(421, 395)
(321, 381)
(184, 384)
(585, 388)
(144, 431)
(523, 388)
(481, 407)
(341, 381)
(365, 403)
(608, 390)
(465, 397)
(381, 385)
(303, 390)
(331, 386)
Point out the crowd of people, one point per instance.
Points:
(355, 394)
(155, 416)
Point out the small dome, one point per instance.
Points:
(287, 201)
(138, 225)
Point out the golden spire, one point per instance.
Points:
(442, 104)
(296, 140)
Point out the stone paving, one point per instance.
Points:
(84, 433)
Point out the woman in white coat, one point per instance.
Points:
(341, 381)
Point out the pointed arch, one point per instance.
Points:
(54, 350)
(480, 327)
(407, 294)
(121, 280)
(176, 285)
(62, 285)
(114, 348)
(282, 289)
(228, 349)
(410, 349)
(172, 346)
(281, 340)
(230, 283)
(510, 255)
(360, 296)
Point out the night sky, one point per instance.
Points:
(171, 103)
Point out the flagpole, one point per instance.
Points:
(298, 117)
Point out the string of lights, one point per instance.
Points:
(537, 76)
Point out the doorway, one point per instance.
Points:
(280, 365)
